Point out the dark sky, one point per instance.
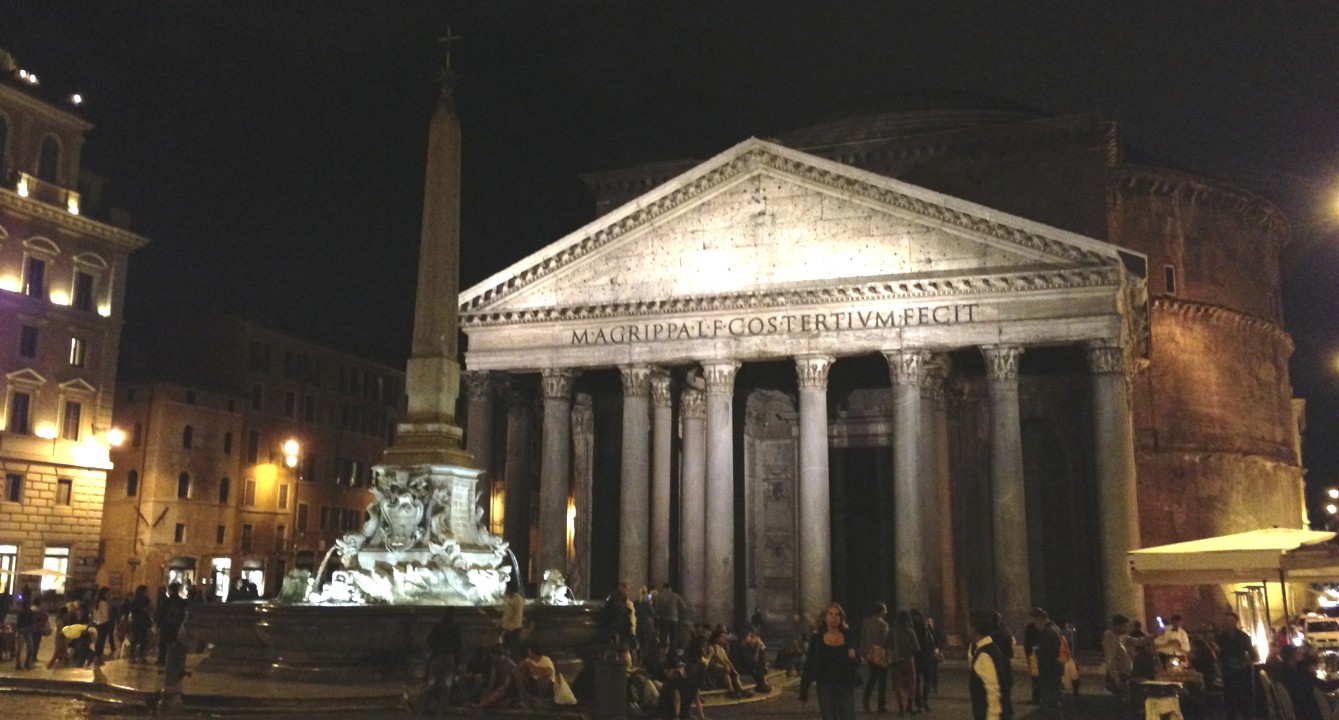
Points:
(274, 151)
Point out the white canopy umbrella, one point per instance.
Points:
(43, 572)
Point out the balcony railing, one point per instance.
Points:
(30, 186)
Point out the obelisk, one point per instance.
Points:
(429, 440)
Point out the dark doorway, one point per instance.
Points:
(862, 527)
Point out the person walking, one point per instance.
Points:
(1050, 668)
(903, 666)
(831, 662)
(171, 613)
(140, 621)
(23, 635)
(874, 635)
(927, 660)
(41, 628)
(670, 610)
(102, 620)
(987, 669)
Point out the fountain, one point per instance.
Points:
(424, 553)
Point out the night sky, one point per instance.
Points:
(275, 155)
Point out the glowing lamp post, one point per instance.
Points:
(116, 437)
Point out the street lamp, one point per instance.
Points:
(292, 449)
(116, 437)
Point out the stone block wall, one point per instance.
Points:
(39, 522)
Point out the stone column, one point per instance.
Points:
(693, 501)
(634, 497)
(815, 531)
(583, 476)
(516, 473)
(555, 469)
(720, 511)
(479, 434)
(1012, 578)
(662, 415)
(1118, 519)
(942, 567)
(910, 476)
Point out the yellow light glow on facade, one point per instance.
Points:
(72, 203)
(571, 526)
(497, 507)
(105, 310)
(116, 436)
(10, 283)
(267, 474)
(60, 297)
(22, 187)
(45, 430)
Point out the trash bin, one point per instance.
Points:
(611, 687)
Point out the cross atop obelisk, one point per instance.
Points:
(429, 435)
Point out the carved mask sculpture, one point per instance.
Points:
(403, 516)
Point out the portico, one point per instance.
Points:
(767, 255)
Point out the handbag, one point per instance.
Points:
(877, 655)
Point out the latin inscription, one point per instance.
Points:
(784, 324)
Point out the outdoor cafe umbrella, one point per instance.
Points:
(43, 572)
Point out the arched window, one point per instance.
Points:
(132, 483)
(186, 436)
(184, 486)
(227, 443)
(48, 159)
(223, 490)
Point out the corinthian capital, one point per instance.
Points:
(557, 383)
(479, 384)
(635, 380)
(720, 375)
(1105, 356)
(1002, 362)
(907, 367)
(661, 390)
(694, 403)
(812, 370)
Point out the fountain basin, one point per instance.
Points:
(362, 643)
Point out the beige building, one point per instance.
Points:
(63, 264)
(205, 487)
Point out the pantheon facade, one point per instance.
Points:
(942, 355)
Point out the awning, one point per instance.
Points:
(1259, 555)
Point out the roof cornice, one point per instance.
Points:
(124, 239)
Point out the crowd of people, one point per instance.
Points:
(89, 628)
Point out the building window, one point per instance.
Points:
(257, 397)
(253, 446)
(290, 404)
(309, 466)
(302, 517)
(224, 486)
(19, 402)
(246, 538)
(218, 534)
(280, 537)
(136, 435)
(187, 436)
(1169, 279)
(184, 486)
(83, 291)
(13, 487)
(249, 493)
(132, 483)
(9, 566)
(58, 560)
(76, 352)
(325, 517)
(227, 443)
(34, 277)
(48, 159)
(179, 534)
(283, 496)
(28, 341)
(64, 491)
(70, 423)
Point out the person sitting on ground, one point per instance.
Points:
(750, 659)
(529, 686)
(723, 672)
(679, 696)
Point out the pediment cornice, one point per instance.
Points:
(757, 156)
(872, 291)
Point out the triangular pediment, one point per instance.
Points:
(25, 376)
(77, 385)
(763, 218)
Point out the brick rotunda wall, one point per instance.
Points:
(1213, 421)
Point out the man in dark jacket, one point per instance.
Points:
(1050, 670)
(1004, 640)
(987, 668)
